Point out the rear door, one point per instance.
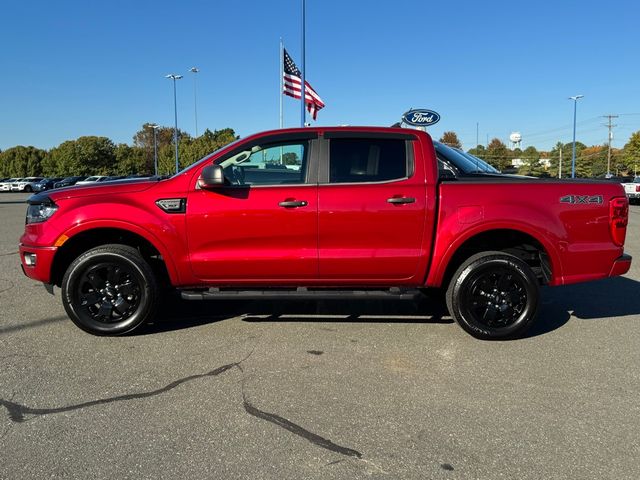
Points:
(371, 208)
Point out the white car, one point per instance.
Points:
(25, 184)
(632, 190)
(6, 185)
(94, 179)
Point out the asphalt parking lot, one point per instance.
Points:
(322, 390)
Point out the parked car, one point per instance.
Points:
(363, 214)
(5, 186)
(632, 189)
(45, 184)
(67, 182)
(92, 179)
(25, 184)
(114, 177)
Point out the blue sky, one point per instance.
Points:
(73, 68)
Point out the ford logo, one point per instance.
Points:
(421, 117)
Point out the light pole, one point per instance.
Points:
(573, 152)
(155, 147)
(175, 77)
(195, 70)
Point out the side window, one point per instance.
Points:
(357, 160)
(273, 164)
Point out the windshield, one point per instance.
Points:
(463, 161)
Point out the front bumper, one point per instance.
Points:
(41, 271)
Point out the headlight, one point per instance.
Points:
(40, 212)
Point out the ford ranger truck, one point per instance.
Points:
(326, 212)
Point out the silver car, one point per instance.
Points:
(25, 184)
(6, 185)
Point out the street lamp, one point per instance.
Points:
(573, 153)
(195, 70)
(155, 147)
(175, 77)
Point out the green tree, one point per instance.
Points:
(554, 157)
(84, 156)
(479, 152)
(131, 160)
(498, 155)
(451, 139)
(21, 162)
(631, 153)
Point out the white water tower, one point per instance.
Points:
(515, 140)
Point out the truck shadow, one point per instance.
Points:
(600, 300)
(178, 314)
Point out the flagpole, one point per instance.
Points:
(303, 93)
(280, 94)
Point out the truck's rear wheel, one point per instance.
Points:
(109, 290)
(494, 295)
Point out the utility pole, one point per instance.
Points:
(610, 125)
(560, 164)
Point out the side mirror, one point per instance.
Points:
(211, 176)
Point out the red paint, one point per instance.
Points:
(346, 234)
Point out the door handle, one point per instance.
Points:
(293, 203)
(401, 200)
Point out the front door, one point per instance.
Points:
(262, 227)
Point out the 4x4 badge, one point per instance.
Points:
(581, 199)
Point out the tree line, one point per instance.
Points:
(93, 155)
(590, 161)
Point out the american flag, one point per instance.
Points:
(293, 87)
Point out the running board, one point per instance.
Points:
(300, 293)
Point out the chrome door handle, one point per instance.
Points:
(293, 203)
(401, 200)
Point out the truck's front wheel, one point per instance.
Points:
(109, 290)
(493, 295)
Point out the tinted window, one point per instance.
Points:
(367, 160)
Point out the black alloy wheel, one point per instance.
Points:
(109, 290)
(494, 295)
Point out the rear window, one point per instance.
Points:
(355, 160)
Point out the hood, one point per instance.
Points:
(109, 188)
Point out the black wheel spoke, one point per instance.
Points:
(91, 298)
(105, 310)
(127, 289)
(489, 315)
(122, 306)
(96, 282)
(113, 274)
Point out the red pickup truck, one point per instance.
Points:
(347, 212)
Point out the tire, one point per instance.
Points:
(28, 189)
(110, 290)
(494, 296)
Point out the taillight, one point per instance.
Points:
(618, 219)
(638, 188)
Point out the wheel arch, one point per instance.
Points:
(538, 254)
(91, 236)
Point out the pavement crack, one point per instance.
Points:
(295, 428)
(18, 413)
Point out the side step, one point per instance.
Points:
(300, 293)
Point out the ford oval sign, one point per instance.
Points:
(421, 117)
